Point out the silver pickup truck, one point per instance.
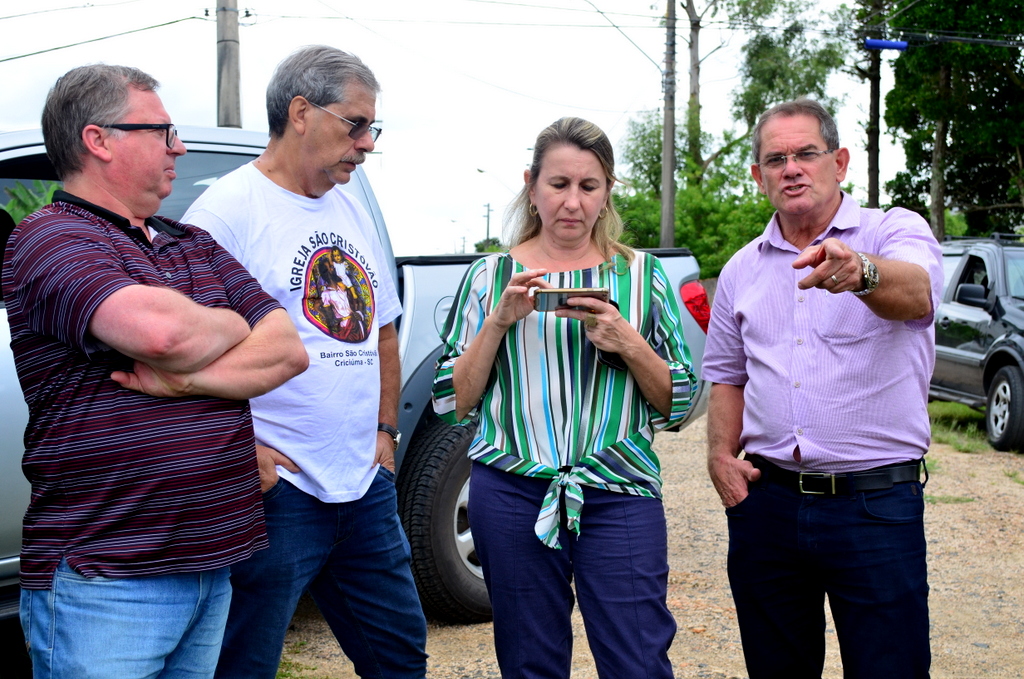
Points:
(433, 471)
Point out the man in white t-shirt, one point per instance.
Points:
(325, 441)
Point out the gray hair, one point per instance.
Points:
(317, 73)
(521, 225)
(96, 94)
(798, 107)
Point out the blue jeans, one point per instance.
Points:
(354, 559)
(619, 564)
(866, 551)
(163, 626)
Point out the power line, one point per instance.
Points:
(66, 9)
(561, 9)
(656, 64)
(105, 37)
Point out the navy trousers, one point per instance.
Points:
(619, 564)
(866, 551)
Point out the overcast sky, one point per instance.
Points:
(467, 84)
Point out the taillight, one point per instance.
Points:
(695, 297)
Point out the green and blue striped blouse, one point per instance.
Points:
(551, 409)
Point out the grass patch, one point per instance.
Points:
(958, 426)
(290, 669)
(947, 499)
(1015, 477)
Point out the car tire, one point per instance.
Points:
(433, 491)
(1004, 416)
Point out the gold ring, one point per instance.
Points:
(835, 280)
(590, 321)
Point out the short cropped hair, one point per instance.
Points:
(798, 107)
(96, 94)
(317, 73)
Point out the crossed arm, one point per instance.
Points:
(182, 348)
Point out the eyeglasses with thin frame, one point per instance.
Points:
(800, 158)
(169, 129)
(358, 129)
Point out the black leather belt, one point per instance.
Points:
(818, 483)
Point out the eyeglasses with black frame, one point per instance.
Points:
(358, 129)
(170, 129)
(800, 158)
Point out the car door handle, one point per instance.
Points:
(944, 322)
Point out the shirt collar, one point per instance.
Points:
(117, 220)
(846, 217)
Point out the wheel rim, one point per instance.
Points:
(463, 534)
(999, 409)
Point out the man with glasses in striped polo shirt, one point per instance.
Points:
(137, 341)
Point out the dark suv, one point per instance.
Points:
(979, 333)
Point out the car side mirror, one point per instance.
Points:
(971, 295)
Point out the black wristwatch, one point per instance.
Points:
(395, 435)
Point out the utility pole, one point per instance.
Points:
(488, 216)
(229, 107)
(668, 143)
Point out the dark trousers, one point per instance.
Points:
(866, 551)
(619, 563)
(353, 558)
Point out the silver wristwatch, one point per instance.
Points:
(868, 276)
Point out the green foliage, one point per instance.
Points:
(491, 244)
(958, 426)
(983, 104)
(642, 151)
(783, 65)
(715, 217)
(947, 499)
(956, 223)
(24, 200)
(718, 209)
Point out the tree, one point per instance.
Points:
(24, 200)
(869, 21)
(491, 244)
(713, 218)
(958, 101)
(717, 206)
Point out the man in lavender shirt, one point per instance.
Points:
(820, 352)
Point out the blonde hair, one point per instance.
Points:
(521, 225)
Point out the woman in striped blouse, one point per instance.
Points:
(565, 483)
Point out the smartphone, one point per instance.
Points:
(549, 299)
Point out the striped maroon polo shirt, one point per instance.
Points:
(124, 484)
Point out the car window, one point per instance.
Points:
(949, 263)
(1015, 272)
(196, 170)
(975, 272)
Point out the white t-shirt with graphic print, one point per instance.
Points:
(322, 260)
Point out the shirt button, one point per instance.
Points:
(796, 385)
(167, 274)
(800, 298)
(800, 432)
(799, 340)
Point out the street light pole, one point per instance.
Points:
(229, 108)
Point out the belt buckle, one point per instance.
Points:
(816, 475)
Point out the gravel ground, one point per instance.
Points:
(975, 528)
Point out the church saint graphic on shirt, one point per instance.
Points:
(338, 297)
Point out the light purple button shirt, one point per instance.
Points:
(821, 371)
